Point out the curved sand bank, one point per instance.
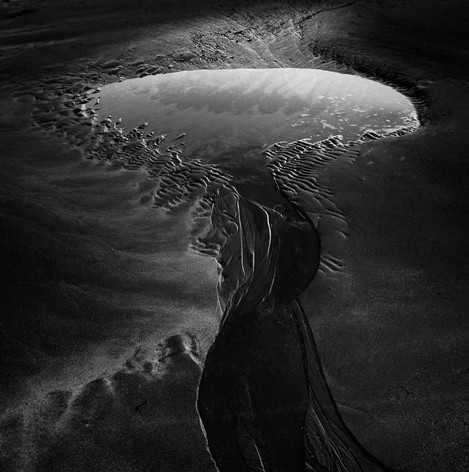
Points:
(396, 311)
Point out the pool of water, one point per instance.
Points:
(222, 110)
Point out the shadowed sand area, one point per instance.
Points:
(263, 398)
(109, 307)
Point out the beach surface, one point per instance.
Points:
(109, 306)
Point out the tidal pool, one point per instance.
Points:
(222, 110)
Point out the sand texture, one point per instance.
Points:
(197, 277)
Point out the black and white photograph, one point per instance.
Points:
(234, 236)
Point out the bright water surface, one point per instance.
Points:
(221, 110)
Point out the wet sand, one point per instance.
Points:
(84, 284)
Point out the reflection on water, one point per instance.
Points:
(220, 110)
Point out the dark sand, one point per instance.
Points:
(103, 334)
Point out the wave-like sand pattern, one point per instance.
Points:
(298, 168)
(66, 107)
